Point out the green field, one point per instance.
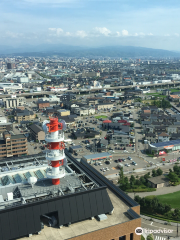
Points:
(174, 90)
(156, 95)
(170, 198)
(101, 116)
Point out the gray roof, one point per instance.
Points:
(158, 179)
(35, 128)
(97, 155)
(75, 147)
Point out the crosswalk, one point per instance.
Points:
(160, 238)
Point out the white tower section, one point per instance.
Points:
(55, 142)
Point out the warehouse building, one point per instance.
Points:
(85, 205)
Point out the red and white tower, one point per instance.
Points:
(55, 143)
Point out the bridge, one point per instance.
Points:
(79, 91)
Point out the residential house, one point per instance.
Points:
(163, 137)
(151, 137)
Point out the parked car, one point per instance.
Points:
(127, 165)
(130, 158)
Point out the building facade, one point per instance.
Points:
(37, 133)
(14, 102)
(13, 145)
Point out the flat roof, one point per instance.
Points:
(97, 155)
(165, 144)
(86, 226)
(18, 136)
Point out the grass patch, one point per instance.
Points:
(174, 90)
(156, 95)
(170, 198)
(149, 155)
(101, 116)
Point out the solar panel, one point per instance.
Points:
(17, 178)
(29, 174)
(39, 174)
(164, 144)
(6, 180)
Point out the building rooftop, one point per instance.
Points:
(35, 128)
(158, 179)
(119, 215)
(165, 144)
(97, 155)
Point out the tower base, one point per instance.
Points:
(56, 181)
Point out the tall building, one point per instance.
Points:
(10, 65)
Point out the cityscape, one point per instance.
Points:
(89, 120)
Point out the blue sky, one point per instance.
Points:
(152, 23)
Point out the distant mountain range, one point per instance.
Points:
(75, 51)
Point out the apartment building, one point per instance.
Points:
(104, 106)
(37, 133)
(25, 115)
(84, 111)
(6, 127)
(13, 145)
(14, 102)
(63, 112)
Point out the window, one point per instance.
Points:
(123, 238)
(131, 236)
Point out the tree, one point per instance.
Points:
(176, 169)
(137, 198)
(138, 182)
(121, 176)
(173, 177)
(132, 179)
(159, 172)
(154, 173)
(150, 237)
(142, 180)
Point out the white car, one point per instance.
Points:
(127, 165)
(126, 151)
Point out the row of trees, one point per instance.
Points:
(155, 207)
(135, 182)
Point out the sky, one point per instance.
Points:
(92, 23)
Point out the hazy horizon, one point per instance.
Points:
(91, 23)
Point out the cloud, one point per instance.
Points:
(104, 31)
(125, 33)
(81, 34)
